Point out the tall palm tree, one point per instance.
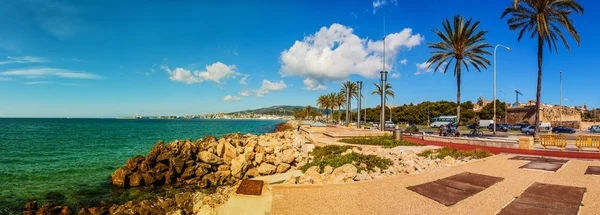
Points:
(463, 44)
(321, 102)
(340, 101)
(330, 101)
(542, 18)
(308, 111)
(353, 89)
(388, 90)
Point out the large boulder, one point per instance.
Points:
(283, 167)
(288, 156)
(239, 165)
(209, 158)
(252, 173)
(136, 180)
(161, 167)
(345, 173)
(229, 153)
(177, 164)
(311, 176)
(52, 209)
(290, 180)
(121, 177)
(188, 173)
(266, 169)
(132, 163)
(259, 157)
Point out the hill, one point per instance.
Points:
(280, 110)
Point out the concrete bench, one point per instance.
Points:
(582, 141)
(553, 140)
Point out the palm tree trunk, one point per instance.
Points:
(539, 87)
(458, 93)
(339, 114)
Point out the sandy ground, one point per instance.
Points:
(390, 196)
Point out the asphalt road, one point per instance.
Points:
(515, 134)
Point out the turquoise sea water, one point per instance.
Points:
(71, 159)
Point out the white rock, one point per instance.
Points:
(266, 169)
(290, 180)
(288, 156)
(283, 167)
(239, 165)
(343, 173)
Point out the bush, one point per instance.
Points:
(386, 141)
(412, 128)
(284, 126)
(455, 153)
(330, 156)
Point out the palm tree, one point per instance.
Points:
(308, 111)
(463, 44)
(340, 101)
(388, 90)
(330, 101)
(542, 18)
(353, 88)
(321, 102)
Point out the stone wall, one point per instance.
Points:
(570, 117)
(476, 142)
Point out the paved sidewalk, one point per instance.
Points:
(390, 196)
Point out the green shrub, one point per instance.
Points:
(412, 128)
(455, 153)
(330, 156)
(386, 141)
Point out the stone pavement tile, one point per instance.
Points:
(553, 167)
(441, 193)
(476, 179)
(592, 170)
(539, 159)
(542, 198)
(453, 189)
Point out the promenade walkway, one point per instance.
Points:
(391, 196)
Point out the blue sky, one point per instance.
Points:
(115, 58)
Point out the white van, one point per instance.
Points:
(484, 123)
(545, 126)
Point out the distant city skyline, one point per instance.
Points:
(113, 58)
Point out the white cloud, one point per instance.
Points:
(268, 86)
(380, 3)
(395, 75)
(215, 73)
(5, 79)
(403, 62)
(231, 98)
(311, 84)
(243, 80)
(24, 59)
(335, 53)
(38, 82)
(43, 72)
(245, 93)
(422, 67)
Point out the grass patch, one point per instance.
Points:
(330, 156)
(455, 153)
(386, 141)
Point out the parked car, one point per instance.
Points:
(594, 128)
(485, 123)
(518, 126)
(506, 125)
(376, 124)
(389, 124)
(528, 129)
(563, 129)
(499, 127)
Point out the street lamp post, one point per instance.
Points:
(359, 100)
(382, 117)
(508, 49)
(561, 107)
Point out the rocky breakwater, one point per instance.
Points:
(211, 161)
(205, 162)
